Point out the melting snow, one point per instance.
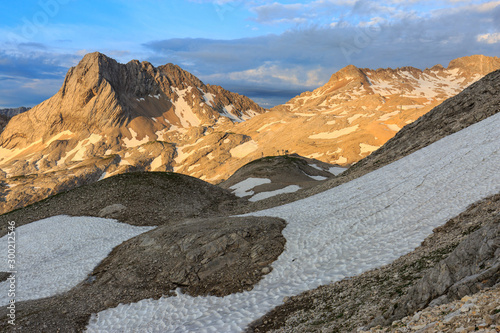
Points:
(130, 143)
(226, 112)
(393, 127)
(316, 167)
(360, 225)
(57, 253)
(265, 195)
(270, 124)
(244, 149)
(80, 149)
(183, 110)
(335, 134)
(336, 170)
(353, 118)
(366, 148)
(317, 177)
(103, 175)
(157, 162)
(388, 116)
(243, 188)
(209, 98)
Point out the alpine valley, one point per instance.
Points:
(110, 118)
(380, 214)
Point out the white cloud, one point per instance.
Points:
(284, 76)
(491, 38)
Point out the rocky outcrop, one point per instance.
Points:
(477, 312)
(216, 256)
(474, 265)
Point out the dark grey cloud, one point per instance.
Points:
(249, 65)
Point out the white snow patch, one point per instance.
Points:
(157, 162)
(360, 225)
(124, 162)
(226, 112)
(81, 148)
(353, 118)
(59, 136)
(340, 160)
(366, 148)
(265, 195)
(393, 127)
(209, 98)
(316, 167)
(50, 265)
(270, 124)
(183, 110)
(336, 170)
(243, 188)
(192, 167)
(131, 143)
(244, 149)
(335, 134)
(388, 115)
(318, 178)
(103, 175)
(161, 134)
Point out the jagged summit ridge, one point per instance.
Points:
(100, 94)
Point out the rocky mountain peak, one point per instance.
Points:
(475, 64)
(350, 72)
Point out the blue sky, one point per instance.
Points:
(267, 50)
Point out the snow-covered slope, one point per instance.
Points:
(57, 253)
(344, 231)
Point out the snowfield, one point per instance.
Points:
(360, 225)
(55, 254)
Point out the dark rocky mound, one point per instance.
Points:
(459, 258)
(146, 199)
(217, 256)
(282, 171)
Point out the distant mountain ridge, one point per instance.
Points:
(110, 118)
(11, 112)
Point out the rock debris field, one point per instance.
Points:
(342, 232)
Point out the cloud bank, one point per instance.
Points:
(294, 45)
(304, 57)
